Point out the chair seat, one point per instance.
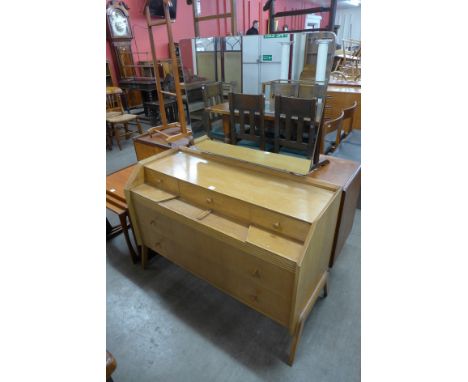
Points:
(354, 137)
(122, 118)
(217, 130)
(348, 151)
(111, 114)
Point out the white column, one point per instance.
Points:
(321, 71)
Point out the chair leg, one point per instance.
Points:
(139, 126)
(117, 136)
(110, 142)
(127, 133)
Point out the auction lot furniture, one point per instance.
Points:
(343, 97)
(148, 144)
(116, 117)
(338, 97)
(261, 235)
(115, 201)
(340, 172)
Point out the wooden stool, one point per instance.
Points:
(111, 365)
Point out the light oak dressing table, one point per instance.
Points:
(261, 235)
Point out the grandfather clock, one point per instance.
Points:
(119, 34)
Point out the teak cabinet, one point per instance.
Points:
(260, 235)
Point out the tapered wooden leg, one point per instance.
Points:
(127, 132)
(227, 129)
(117, 136)
(295, 342)
(325, 290)
(123, 223)
(144, 256)
(139, 126)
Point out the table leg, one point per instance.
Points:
(227, 128)
(123, 223)
(144, 256)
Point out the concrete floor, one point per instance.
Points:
(164, 324)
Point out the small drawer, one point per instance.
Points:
(279, 223)
(161, 181)
(211, 200)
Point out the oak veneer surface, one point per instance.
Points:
(264, 158)
(262, 236)
(295, 199)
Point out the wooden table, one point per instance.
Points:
(343, 96)
(340, 172)
(115, 201)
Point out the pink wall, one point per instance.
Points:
(247, 12)
(181, 28)
(297, 22)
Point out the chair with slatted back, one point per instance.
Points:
(247, 118)
(349, 134)
(213, 123)
(332, 126)
(332, 110)
(295, 127)
(117, 118)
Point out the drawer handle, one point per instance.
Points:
(256, 273)
(255, 298)
(159, 181)
(277, 225)
(152, 222)
(209, 200)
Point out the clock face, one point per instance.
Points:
(119, 24)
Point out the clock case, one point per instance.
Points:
(118, 6)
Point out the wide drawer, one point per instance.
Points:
(259, 284)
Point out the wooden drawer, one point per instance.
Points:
(243, 211)
(254, 283)
(259, 284)
(162, 181)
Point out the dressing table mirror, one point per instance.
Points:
(251, 64)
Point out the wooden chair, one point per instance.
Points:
(295, 127)
(213, 123)
(349, 135)
(116, 116)
(350, 63)
(251, 107)
(332, 127)
(332, 110)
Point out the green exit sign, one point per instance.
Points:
(267, 57)
(281, 35)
